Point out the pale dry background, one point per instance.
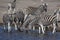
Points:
(52, 5)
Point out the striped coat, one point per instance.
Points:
(45, 19)
(35, 12)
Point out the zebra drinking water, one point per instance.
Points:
(19, 19)
(32, 13)
(7, 21)
(46, 20)
(7, 18)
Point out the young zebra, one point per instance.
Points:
(46, 20)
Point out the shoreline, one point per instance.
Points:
(57, 29)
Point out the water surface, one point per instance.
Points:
(15, 35)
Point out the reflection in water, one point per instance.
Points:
(15, 35)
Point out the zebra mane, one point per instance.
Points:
(55, 12)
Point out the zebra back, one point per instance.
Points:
(31, 10)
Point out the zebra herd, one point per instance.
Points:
(34, 16)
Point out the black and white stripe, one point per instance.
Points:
(47, 20)
(34, 11)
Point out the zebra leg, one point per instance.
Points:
(19, 27)
(30, 27)
(14, 10)
(43, 29)
(39, 30)
(33, 27)
(25, 17)
(54, 28)
(4, 28)
(16, 27)
(9, 27)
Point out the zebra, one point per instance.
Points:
(46, 20)
(31, 13)
(18, 19)
(7, 20)
(31, 10)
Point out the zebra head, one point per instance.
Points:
(57, 11)
(45, 6)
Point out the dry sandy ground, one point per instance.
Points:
(52, 5)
